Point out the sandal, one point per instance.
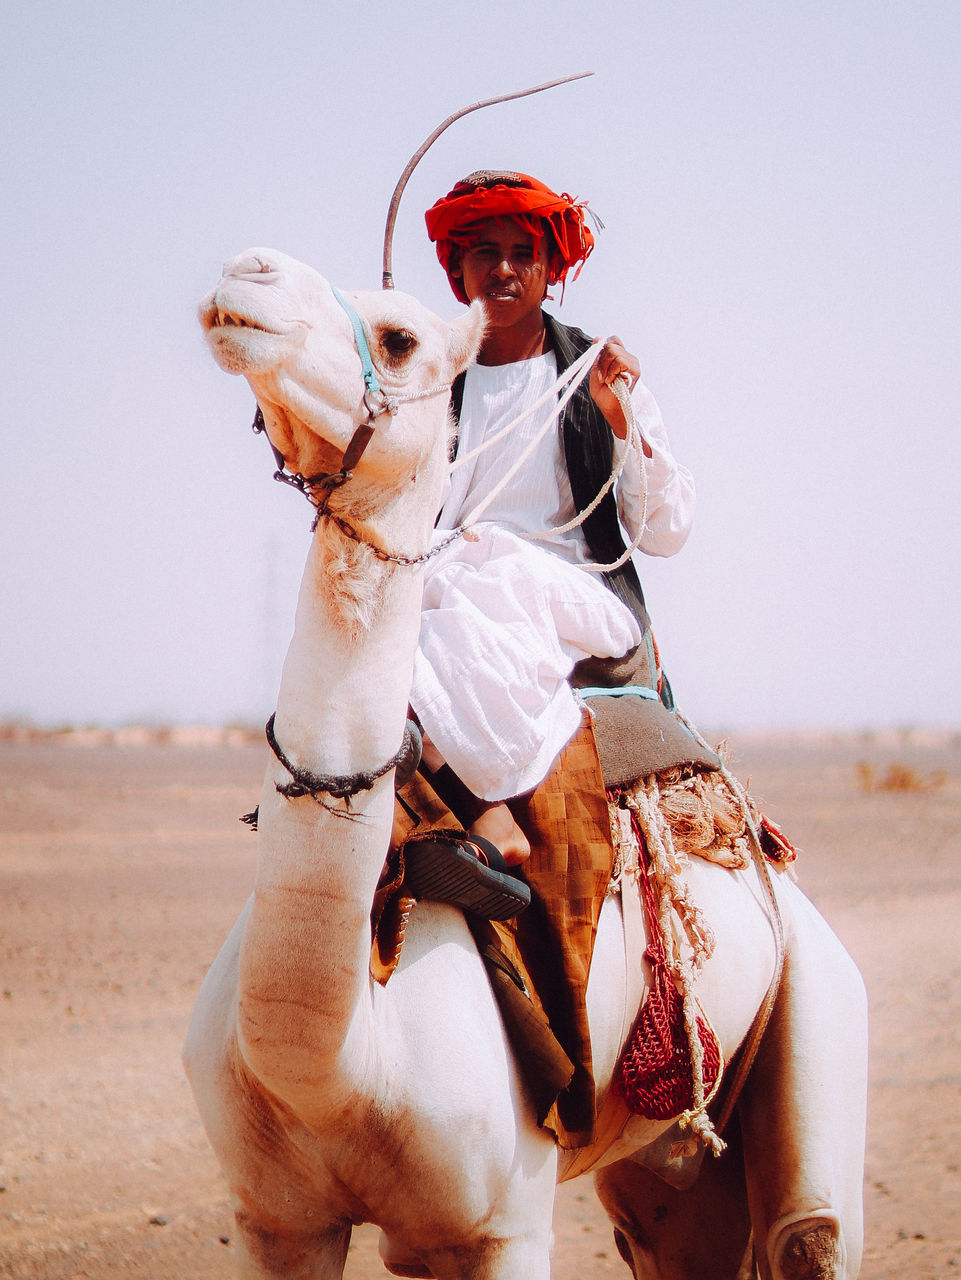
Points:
(466, 871)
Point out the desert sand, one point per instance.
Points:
(122, 866)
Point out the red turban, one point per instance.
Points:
(452, 221)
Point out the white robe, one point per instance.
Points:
(505, 619)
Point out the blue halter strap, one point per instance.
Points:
(360, 337)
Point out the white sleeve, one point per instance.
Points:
(671, 497)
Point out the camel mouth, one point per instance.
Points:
(243, 342)
(224, 318)
(217, 318)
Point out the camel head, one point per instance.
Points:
(277, 322)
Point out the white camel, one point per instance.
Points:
(331, 1101)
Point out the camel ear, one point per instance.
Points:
(465, 337)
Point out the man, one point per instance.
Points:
(506, 618)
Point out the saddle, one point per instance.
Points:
(539, 961)
(636, 725)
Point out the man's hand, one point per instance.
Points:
(613, 361)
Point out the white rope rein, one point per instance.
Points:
(574, 375)
(393, 402)
(582, 369)
(632, 440)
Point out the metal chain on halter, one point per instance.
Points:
(326, 483)
(390, 557)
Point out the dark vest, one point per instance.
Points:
(589, 453)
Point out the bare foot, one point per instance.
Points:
(494, 822)
(431, 757)
(497, 825)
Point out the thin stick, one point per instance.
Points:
(388, 279)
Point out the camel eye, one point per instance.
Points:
(398, 343)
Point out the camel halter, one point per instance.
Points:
(318, 488)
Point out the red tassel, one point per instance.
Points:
(655, 1075)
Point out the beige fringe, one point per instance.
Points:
(705, 819)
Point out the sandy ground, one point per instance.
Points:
(122, 866)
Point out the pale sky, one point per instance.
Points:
(780, 186)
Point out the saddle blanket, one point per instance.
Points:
(539, 962)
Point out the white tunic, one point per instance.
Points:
(505, 619)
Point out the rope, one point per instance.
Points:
(340, 786)
(578, 370)
(574, 375)
(633, 440)
(752, 1040)
(652, 1086)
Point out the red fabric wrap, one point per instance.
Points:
(452, 220)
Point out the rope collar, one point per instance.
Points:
(340, 786)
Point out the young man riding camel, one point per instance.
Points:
(506, 618)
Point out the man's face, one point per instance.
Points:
(504, 270)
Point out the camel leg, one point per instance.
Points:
(802, 1112)
(523, 1258)
(511, 1241)
(514, 1259)
(666, 1234)
(281, 1239)
(278, 1254)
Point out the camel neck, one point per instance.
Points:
(341, 710)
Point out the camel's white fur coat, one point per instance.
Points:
(331, 1101)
